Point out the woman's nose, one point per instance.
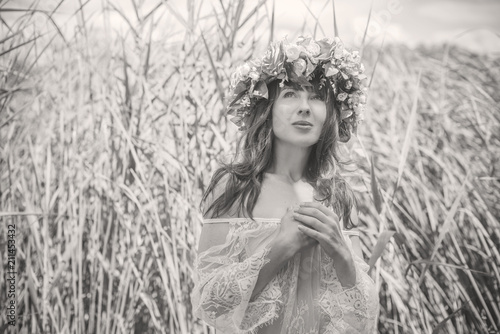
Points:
(304, 106)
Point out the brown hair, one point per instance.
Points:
(245, 173)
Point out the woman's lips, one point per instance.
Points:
(302, 125)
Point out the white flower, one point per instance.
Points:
(292, 53)
(342, 96)
(235, 78)
(338, 52)
(245, 69)
(361, 115)
(313, 48)
(301, 39)
(299, 66)
(254, 75)
(245, 101)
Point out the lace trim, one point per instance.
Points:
(238, 219)
(258, 219)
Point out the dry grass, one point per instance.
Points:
(107, 142)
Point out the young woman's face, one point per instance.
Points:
(294, 105)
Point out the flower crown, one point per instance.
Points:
(299, 62)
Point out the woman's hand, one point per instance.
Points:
(289, 232)
(322, 224)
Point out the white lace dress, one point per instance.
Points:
(304, 297)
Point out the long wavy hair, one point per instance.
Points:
(254, 154)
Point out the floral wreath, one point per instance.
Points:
(299, 62)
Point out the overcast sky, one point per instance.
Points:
(473, 24)
(407, 21)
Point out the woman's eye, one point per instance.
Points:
(289, 94)
(317, 97)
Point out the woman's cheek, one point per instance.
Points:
(279, 124)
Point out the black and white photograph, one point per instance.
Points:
(250, 167)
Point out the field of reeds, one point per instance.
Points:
(109, 137)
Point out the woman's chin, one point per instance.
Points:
(304, 143)
(302, 140)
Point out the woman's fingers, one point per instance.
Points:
(310, 221)
(311, 233)
(316, 219)
(320, 207)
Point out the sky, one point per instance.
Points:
(473, 24)
(408, 21)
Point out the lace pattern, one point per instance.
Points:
(349, 310)
(226, 276)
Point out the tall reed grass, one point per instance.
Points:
(108, 139)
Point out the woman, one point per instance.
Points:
(272, 259)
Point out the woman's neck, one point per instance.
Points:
(289, 161)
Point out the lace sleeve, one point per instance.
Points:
(225, 279)
(351, 310)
